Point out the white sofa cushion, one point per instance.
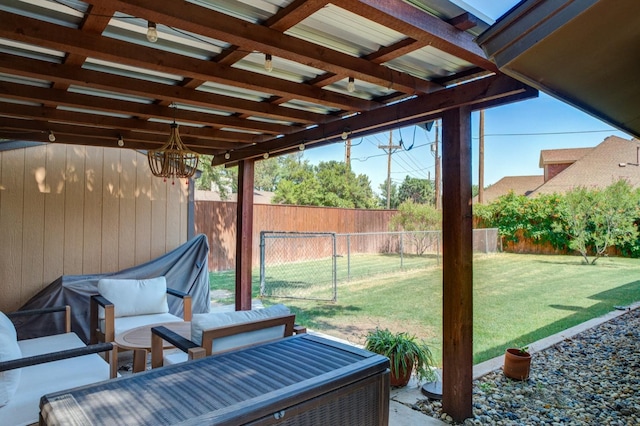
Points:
(135, 297)
(41, 379)
(9, 349)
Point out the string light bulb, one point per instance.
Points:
(120, 141)
(52, 137)
(227, 156)
(345, 134)
(301, 147)
(351, 85)
(265, 155)
(268, 62)
(152, 32)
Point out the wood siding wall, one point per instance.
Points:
(217, 220)
(67, 210)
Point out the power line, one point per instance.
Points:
(546, 133)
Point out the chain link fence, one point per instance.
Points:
(310, 265)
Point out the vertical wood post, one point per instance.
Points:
(481, 160)
(244, 235)
(457, 321)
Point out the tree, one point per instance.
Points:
(215, 178)
(267, 174)
(412, 217)
(596, 219)
(298, 184)
(330, 184)
(420, 191)
(518, 216)
(382, 199)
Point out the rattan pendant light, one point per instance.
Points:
(173, 159)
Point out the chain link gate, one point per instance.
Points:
(281, 275)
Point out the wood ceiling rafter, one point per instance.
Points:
(134, 138)
(255, 37)
(126, 85)
(135, 109)
(284, 19)
(65, 39)
(247, 124)
(288, 16)
(95, 21)
(423, 27)
(209, 136)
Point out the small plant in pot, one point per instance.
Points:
(406, 354)
(517, 363)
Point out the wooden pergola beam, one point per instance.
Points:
(476, 93)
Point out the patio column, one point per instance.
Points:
(457, 321)
(244, 234)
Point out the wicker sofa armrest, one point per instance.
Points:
(60, 355)
(160, 334)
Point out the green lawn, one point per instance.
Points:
(518, 299)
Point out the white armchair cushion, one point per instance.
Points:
(201, 322)
(9, 349)
(135, 297)
(127, 323)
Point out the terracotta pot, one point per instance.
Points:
(517, 364)
(398, 379)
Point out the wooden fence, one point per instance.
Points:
(217, 220)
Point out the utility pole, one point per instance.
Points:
(389, 150)
(437, 159)
(481, 161)
(347, 153)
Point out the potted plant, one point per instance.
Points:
(406, 355)
(517, 363)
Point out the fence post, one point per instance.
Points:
(335, 270)
(486, 241)
(401, 249)
(348, 257)
(262, 274)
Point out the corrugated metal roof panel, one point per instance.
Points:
(429, 63)
(134, 30)
(232, 91)
(69, 14)
(25, 80)
(249, 10)
(131, 71)
(282, 68)
(344, 31)
(30, 51)
(309, 106)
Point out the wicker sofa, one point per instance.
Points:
(31, 368)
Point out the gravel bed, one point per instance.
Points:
(592, 378)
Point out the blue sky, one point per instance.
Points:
(514, 135)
